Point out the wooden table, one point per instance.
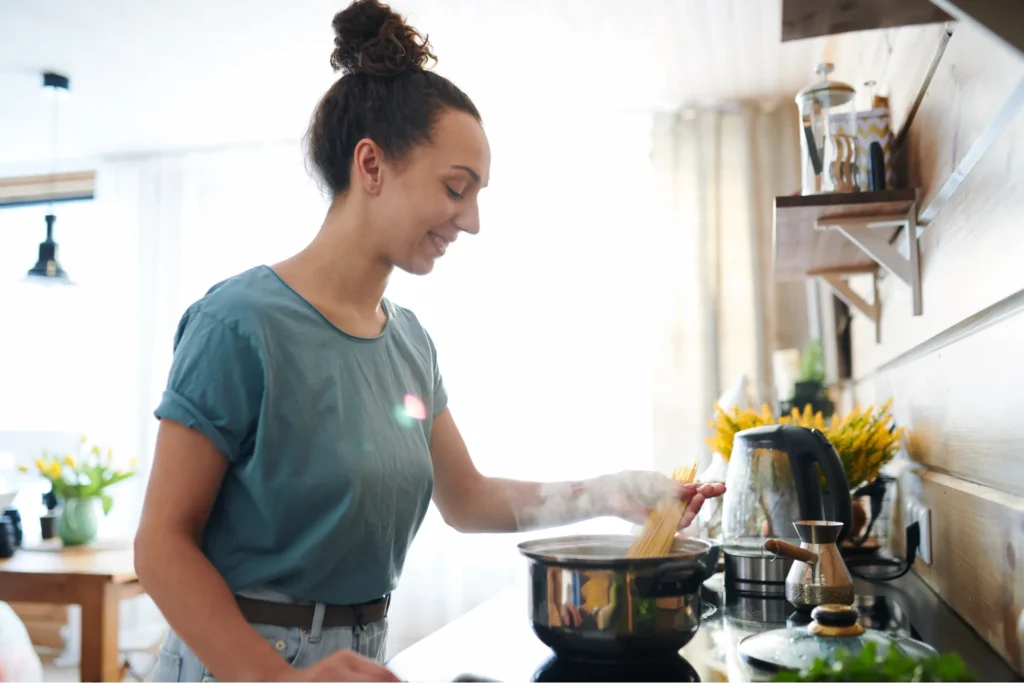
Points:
(96, 579)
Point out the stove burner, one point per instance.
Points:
(664, 668)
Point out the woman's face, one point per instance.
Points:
(429, 197)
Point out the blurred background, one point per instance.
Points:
(621, 282)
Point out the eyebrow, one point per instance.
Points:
(472, 174)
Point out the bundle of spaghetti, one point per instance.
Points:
(659, 532)
(655, 539)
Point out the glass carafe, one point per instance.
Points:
(828, 136)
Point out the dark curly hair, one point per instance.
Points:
(385, 92)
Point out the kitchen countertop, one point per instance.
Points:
(495, 641)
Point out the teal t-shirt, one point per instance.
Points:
(329, 473)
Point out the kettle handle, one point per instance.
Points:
(807, 446)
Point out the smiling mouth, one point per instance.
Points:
(440, 242)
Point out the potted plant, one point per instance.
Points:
(81, 486)
(810, 385)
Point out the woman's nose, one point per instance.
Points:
(469, 220)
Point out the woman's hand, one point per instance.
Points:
(344, 665)
(632, 495)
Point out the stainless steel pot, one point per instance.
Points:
(587, 599)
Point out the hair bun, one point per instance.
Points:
(371, 38)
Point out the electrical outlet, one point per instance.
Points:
(917, 512)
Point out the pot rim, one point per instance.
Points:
(546, 550)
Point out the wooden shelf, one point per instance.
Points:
(833, 236)
(813, 18)
(802, 250)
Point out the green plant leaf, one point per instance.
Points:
(108, 503)
(869, 665)
(812, 362)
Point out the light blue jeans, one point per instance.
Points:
(299, 647)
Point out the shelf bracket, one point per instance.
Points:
(869, 234)
(872, 311)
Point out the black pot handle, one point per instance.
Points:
(696, 571)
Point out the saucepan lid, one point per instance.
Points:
(834, 628)
(607, 549)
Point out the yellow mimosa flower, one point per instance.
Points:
(726, 424)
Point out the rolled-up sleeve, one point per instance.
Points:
(216, 384)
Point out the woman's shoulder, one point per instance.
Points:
(243, 303)
(407, 326)
(404, 320)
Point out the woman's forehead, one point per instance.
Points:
(459, 142)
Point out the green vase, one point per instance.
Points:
(79, 520)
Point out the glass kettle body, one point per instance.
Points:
(773, 481)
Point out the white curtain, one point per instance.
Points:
(717, 172)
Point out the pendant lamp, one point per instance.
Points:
(47, 269)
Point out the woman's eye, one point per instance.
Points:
(453, 194)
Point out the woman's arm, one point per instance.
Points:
(193, 597)
(471, 502)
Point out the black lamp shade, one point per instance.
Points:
(48, 266)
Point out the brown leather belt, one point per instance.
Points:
(301, 616)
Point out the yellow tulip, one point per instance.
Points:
(84, 439)
(41, 464)
(132, 462)
(55, 470)
(70, 462)
(22, 468)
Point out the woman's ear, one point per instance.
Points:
(368, 165)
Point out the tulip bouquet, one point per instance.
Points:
(88, 475)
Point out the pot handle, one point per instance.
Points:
(790, 551)
(697, 570)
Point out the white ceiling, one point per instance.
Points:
(171, 74)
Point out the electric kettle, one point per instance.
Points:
(773, 481)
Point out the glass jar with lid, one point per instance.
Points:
(828, 135)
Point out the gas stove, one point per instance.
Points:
(494, 641)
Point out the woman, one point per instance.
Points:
(305, 426)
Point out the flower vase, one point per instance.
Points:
(79, 520)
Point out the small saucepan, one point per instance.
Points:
(588, 600)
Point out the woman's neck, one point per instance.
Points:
(340, 268)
